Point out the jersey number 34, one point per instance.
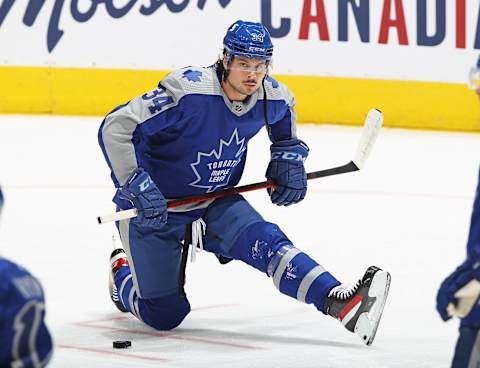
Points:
(159, 99)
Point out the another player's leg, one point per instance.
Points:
(146, 276)
(458, 296)
(467, 350)
(235, 229)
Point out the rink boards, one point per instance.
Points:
(409, 58)
(406, 104)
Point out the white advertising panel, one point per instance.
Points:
(421, 40)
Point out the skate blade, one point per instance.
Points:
(367, 323)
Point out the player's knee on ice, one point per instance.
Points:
(164, 313)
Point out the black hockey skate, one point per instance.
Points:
(360, 307)
(118, 259)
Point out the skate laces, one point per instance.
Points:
(199, 228)
(114, 293)
(344, 291)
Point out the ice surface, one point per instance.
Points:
(407, 211)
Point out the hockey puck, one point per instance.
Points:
(122, 344)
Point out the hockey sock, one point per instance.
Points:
(126, 292)
(264, 246)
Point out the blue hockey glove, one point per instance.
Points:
(287, 170)
(466, 272)
(141, 191)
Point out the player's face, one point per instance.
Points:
(246, 75)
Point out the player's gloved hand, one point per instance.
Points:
(287, 170)
(466, 272)
(141, 191)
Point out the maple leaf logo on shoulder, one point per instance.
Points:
(273, 81)
(192, 75)
(213, 169)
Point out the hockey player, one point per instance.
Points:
(467, 350)
(474, 77)
(24, 338)
(189, 136)
(458, 293)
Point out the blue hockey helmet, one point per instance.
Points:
(248, 39)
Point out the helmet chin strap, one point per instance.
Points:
(265, 103)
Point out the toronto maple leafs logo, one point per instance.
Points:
(257, 249)
(192, 75)
(291, 272)
(213, 169)
(273, 81)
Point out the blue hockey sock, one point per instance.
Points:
(126, 292)
(264, 246)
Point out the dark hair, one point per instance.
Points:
(219, 67)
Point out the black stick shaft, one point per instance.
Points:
(350, 167)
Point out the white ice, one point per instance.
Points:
(407, 211)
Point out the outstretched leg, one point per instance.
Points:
(264, 246)
(236, 230)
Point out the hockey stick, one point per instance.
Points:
(371, 128)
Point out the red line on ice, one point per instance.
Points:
(170, 336)
(116, 353)
(127, 316)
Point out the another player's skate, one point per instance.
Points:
(360, 307)
(118, 259)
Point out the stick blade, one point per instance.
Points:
(373, 124)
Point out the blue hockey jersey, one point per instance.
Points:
(473, 244)
(24, 338)
(189, 136)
